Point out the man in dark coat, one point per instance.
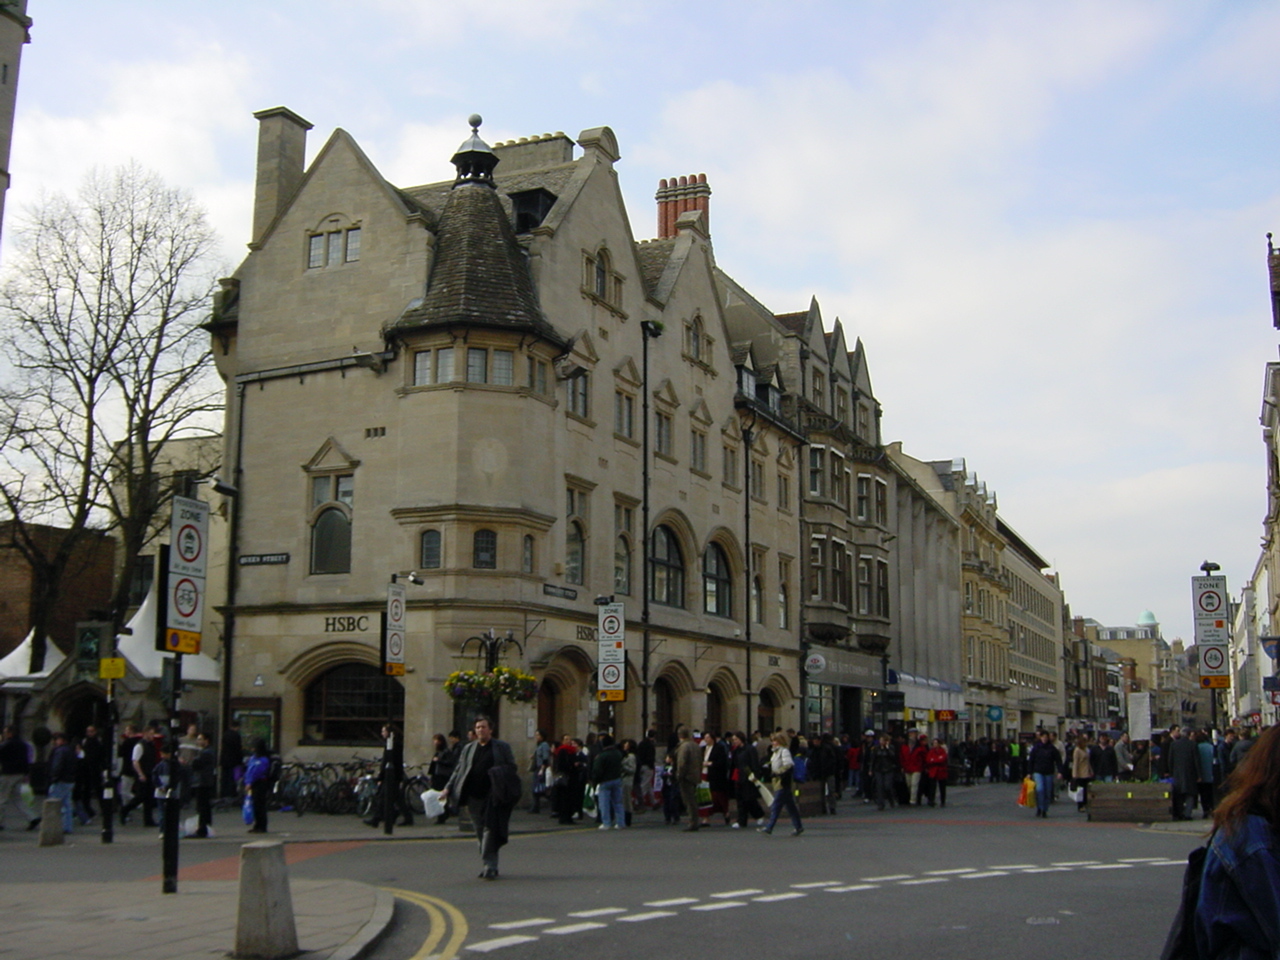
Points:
(391, 776)
(471, 783)
(1184, 767)
(231, 757)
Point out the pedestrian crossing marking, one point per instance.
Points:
(651, 915)
(485, 946)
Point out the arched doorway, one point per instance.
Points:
(664, 709)
(715, 710)
(548, 697)
(81, 707)
(766, 711)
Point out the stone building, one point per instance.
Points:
(1035, 617)
(453, 380)
(15, 32)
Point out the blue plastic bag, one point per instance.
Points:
(246, 810)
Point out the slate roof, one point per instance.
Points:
(653, 256)
(793, 321)
(481, 276)
(431, 197)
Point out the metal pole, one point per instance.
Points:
(172, 801)
(644, 529)
(748, 436)
(109, 770)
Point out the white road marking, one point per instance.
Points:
(675, 902)
(518, 924)
(979, 876)
(486, 945)
(916, 883)
(1143, 859)
(575, 928)
(651, 915)
(1048, 870)
(1110, 866)
(889, 878)
(853, 887)
(1074, 863)
(812, 886)
(722, 905)
(775, 897)
(944, 873)
(734, 893)
(1167, 863)
(602, 912)
(1012, 866)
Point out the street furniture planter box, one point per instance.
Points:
(1129, 802)
(810, 799)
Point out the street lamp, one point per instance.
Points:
(493, 646)
(649, 330)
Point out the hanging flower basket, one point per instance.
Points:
(473, 686)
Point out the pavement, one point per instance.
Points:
(132, 919)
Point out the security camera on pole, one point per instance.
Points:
(1213, 633)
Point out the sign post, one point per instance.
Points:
(184, 562)
(1211, 608)
(611, 658)
(393, 619)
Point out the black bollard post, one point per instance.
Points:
(172, 811)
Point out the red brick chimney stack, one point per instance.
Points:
(680, 195)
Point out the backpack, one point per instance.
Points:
(1181, 942)
(800, 771)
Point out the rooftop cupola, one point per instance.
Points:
(475, 160)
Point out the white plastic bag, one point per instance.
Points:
(431, 805)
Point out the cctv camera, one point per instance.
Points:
(415, 579)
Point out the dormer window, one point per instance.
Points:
(747, 382)
(530, 208)
(819, 390)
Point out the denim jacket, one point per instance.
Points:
(1238, 913)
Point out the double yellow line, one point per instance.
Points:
(444, 917)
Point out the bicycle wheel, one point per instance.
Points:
(340, 799)
(413, 794)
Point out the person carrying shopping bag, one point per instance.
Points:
(780, 766)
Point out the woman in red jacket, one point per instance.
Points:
(935, 771)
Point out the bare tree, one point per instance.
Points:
(100, 317)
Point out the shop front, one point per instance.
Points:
(845, 691)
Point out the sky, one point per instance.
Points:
(1046, 222)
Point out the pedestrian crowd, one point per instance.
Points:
(142, 770)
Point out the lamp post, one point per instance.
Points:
(649, 330)
(748, 437)
(493, 646)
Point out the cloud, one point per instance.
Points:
(173, 116)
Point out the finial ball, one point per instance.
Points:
(475, 120)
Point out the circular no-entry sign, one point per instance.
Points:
(395, 643)
(1213, 658)
(1210, 601)
(611, 624)
(610, 673)
(186, 597)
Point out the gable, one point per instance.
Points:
(331, 456)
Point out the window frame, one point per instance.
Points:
(478, 553)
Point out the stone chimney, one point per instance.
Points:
(680, 195)
(282, 154)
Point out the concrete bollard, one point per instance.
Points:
(51, 822)
(264, 923)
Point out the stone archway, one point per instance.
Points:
(565, 708)
(81, 706)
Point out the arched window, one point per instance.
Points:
(602, 274)
(717, 586)
(430, 559)
(331, 542)
(695, 338)
(526, 554)
(350, 703)
(484, 554)
(622, 565)
(757, 600)
(667, 565)
(575, 553)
